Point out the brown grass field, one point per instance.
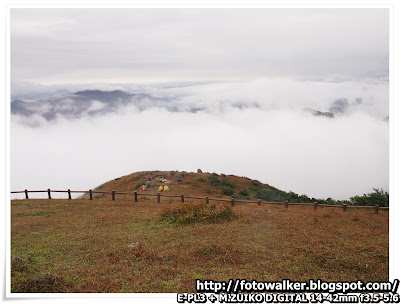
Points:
(84, 244)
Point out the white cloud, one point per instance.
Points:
(281, 145)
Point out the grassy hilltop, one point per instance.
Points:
(227, 186)
(102, 245)
(196, 184)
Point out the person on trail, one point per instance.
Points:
(179, 179)
(161, 188)
(166, 188)
(144, 188)
(149, 176)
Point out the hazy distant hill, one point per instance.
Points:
(319, 113)
(90, 103)
(84, 103)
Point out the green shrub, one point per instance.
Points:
(198, 212)
(227, 183)
(244, 192)
(213, 180)
(269, 194)
(256, 183)
(227, 191)
(378, 197)
(201, 180)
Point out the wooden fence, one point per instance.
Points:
(207, 199)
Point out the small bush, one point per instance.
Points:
(227, 183)
(201, 180)
(227, 191)
(195, 213)
(378, 197)
(256, 183)
(244, 192)
(213, 180)
(269, 194)
(172, 173)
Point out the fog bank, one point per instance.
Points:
(274, 142)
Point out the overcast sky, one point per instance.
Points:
(122, 44)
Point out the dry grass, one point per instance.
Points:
(198, 213)
(85, 245)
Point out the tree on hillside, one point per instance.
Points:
(378, 197)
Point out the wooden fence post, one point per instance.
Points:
(113, 195)
(207, 200)
(233, 201)
(48, 192)
(315, 206)
(182, 198)
(69, 193)
(376, 209)
(135, 194)
(286, 204)
(90, 194)
(344, 207)
(158, 197)
(259, 202)
(26, 194)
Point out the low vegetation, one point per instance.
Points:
(378, 197)
(212, 184)
(102, 245)
(198, 213)
(123, 246)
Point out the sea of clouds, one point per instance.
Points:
(257, 129)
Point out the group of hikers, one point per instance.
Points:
(161, 180)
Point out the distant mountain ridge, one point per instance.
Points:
(90, 103)
(82, 103)
(319, 113)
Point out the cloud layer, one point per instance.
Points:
(256, 129)
(111, 45)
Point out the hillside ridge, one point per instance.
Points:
(213, 185)
(202, 184)
(194, 183)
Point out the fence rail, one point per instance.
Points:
(207, 199)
